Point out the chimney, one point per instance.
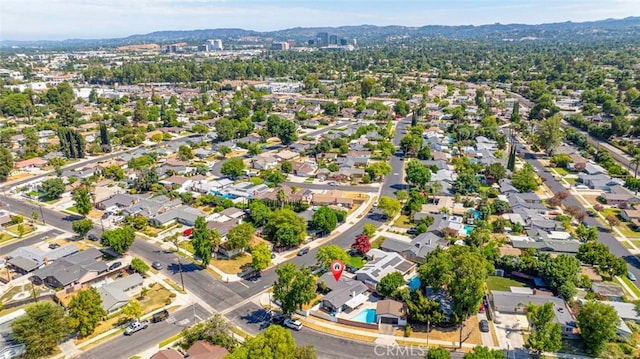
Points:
(353, 294)
(46, 261)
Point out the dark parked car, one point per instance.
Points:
(484, 326)
(115, 265)
(160, 316)
(350, 268)
(591, 213)
(412, 231)
(93, 237)
(277, 318)
(273, 256)
(303, 251)
(54, 246)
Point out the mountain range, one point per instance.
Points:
(611, 29)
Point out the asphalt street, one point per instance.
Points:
(126, 346)
(28, 241)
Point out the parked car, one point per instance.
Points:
(93, 237)
(303, 251)
(273, 256)
(293, 324)
(631, 276)
(114, 265)
(277, 318)
(187, 232)
(135, 327)
(350, 268)
(54, 246)
(160, 316)
(412, 231)
(484, 326)
(591, 213)
(334, 184)
(156, 265)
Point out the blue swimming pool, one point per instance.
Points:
(467, 229)
(414, 283)
(365, 316)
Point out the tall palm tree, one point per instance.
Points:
(636, 163)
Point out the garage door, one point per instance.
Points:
(385, 320)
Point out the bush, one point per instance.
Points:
(172, 295)
(407, 330)
(167, 301)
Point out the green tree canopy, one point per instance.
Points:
(260, 256)
(390, 283)
(6, 163)
(82, 226)
(324, 220)
(53, 188)
(327, 253)
(597, 322)
(417, 174)
(85, 311)
(233, 167)
(41, 329)
(139, 265)
(546, 334)
(525, 179)
(240, 236)
(548, 134)
(82, 200)
(202, 240)
(275, 343)
(390, 206)
(119, 239)
(285, 228)
(294, 287)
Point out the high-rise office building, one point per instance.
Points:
(279, 46)
(343, 42)
(333, 39)
(214, 45)
(323, 38)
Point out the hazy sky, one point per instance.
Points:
(62, 19)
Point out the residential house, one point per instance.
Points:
(506, 187)
(301, 195)
(117, 202)
(332, 197)
(169, 353)
(599, 181)
(577, 161)
(631, 215)
(203, 349)
(286, 155)
(391, 312)
(541, 242)
(626, 312)
(445, 223)
(594, 169)
(612, 292)
(181, 184)
(202, 153)
(516, 303)
(76, 270)
(150, 207)
(416, 250)
(345, 294)
(437, 203)
(32, 163)
(304, 169)
(229, 144)
(620, 196)
(183, 214)
(381, 264)
(27, 259)
(117, 294)
(264, 162)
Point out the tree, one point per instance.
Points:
(21, 230)
(378, 170)
(369, 229)
(561, 160)
(240, 236)
(548, 134)
(259, 213)
(524, 179)
(361, 244)
(324, 220)
(82, 226)
(390, 283)
(34, 216)
(275, 343)
(282, 128)
(40, 329)
(612, 220)
(215, 330)
(82, 200)
(286, 167)
(285, 228)
(417, 174)
(139, 265)
(367, 86)
(272, 176)
(496, 171)
(546, 334)
(224, 150)
(294, 287)
(411, 144)
(53, 188)
(390, 206)
(326, 254)
(185, 153)
(115, 172)
(132, 309)
(85, 311)
(119, 239)
(559, 271)
(6, 163)
(145, 179)
(438, 353)
(260, 256)
(202, 241)
(141, 112)
(233, 167)
(485, 353)
(466, 182)
(597, 322)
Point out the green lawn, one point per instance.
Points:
(561, 171)
(503, 283)
(376, 242)
(73, 209)
(355, 262)
(27, 229)
(631, 285)
(572, 181)
(403, 222)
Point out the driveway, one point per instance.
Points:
(487, 338)
(509, 330)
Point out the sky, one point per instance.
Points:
(64, 19)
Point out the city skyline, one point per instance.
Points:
(86, 19)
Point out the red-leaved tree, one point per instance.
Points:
(362, 243)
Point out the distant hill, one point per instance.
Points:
(627, 28)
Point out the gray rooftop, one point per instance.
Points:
(507, 301)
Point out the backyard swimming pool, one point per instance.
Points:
(467, 229)
(365, 316)
(414, 283)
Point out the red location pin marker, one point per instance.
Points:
(336, 268)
